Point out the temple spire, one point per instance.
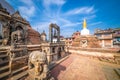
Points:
(84, 31)
(84, 24)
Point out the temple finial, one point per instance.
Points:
(84, 23)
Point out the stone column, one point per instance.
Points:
(103, 44)
(50, 34)
(56, 53)
(58, 34)
(111, 43)
(49, 58)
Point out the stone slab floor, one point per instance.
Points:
(78, 67)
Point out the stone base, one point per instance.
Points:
(32, 75)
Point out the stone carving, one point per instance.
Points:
(84, 43)
(6, 31)
(17, 36)
(38, 61)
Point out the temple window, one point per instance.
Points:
(53, 50)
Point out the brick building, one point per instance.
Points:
(75, 35)
(109, 38)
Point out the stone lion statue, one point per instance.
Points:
(38, 64)
(37, 60)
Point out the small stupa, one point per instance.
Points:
(85, 31)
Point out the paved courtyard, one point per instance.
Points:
(78, 67)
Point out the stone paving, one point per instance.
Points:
(78, 67)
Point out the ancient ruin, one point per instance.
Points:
(24, 51)
(28, 54)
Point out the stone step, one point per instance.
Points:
(3, 62)
(18, 58)
(3, 68)
(2, 56)
(117, 71)
(4, 75)
(19, 70)
(19, 76)
(3, 52)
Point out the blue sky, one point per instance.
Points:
(69, 14)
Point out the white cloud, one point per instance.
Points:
(96, 23)
(51, 11)
(41, 25)
(27, 2)
(72, 24)
(67, 32)
(63, 20)
(53, 2)
(82, 10)
(90, 17)
(27, 12)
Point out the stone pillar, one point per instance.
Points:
(50, 34)
(111, 43)
(49, 55)
(103, 43)
(49, 58)
(56, 53)
(58, 34)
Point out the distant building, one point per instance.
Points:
(75, 35)
(62, 39)
(68, 41)
(116, 38)
(43, 36)
(109, 38)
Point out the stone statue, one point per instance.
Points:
(17, 36)
(38, 61)
(6, 32)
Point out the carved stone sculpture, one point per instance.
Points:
(17, 36)
(38, 67)
(37, 60)
(6, 32)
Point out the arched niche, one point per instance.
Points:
(18, 36)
